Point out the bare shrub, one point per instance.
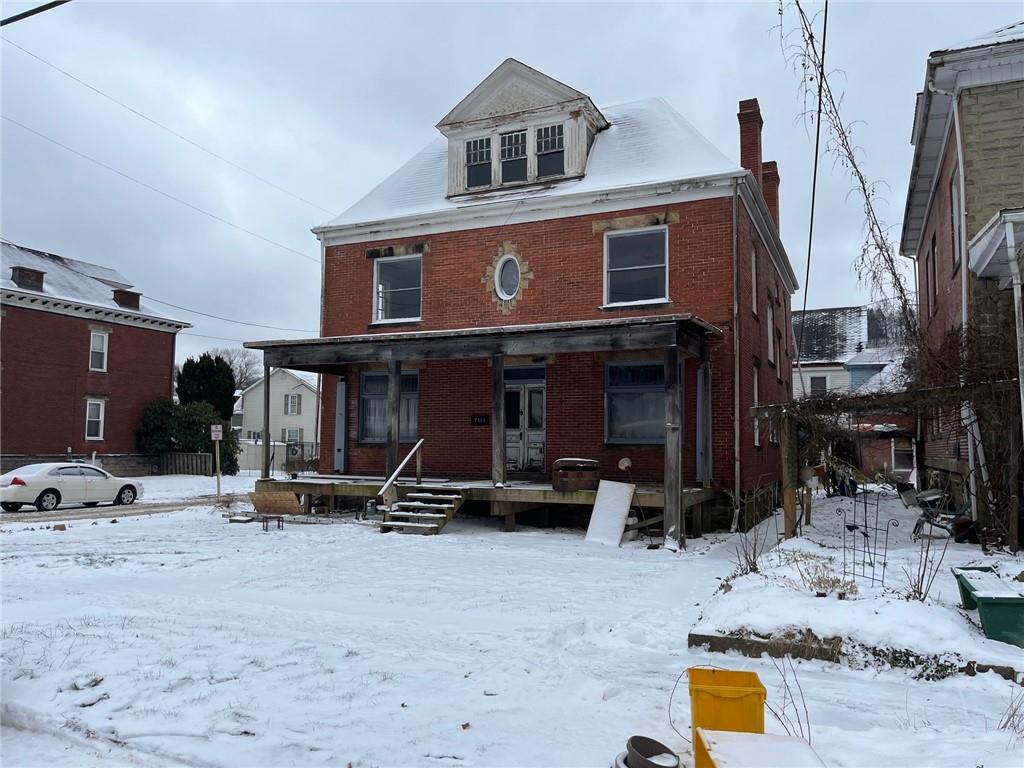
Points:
(929, 560)
(751, 546)
(1013, 718)
(792, 712)
(820, 577)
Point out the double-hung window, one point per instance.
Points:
(757, 402)
(398, 288)
(636, 266)
(513, 157)
(94, 412)
(293, 405)
(634, 407)
(291, 435)
(550, 151)
(770, 316)
(373, 407)
(478, 163)
(98, 351)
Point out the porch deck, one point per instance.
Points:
(513, 491)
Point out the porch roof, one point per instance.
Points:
(324, 355)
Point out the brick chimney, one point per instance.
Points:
(770, 188)
(126, 299)
(750, 137)
(29, 279)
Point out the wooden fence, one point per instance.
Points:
(186, 464)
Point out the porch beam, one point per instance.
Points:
(675, 535)
(394, 411)
(266, 421)
(498, 467)
(328, 355)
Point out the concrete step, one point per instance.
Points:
(423, 496)
(422, 516)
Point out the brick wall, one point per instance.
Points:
(45, 380)
(565, 257)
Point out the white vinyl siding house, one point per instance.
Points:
(293, 408)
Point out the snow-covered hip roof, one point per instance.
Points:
(648, 142)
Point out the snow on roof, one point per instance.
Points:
(647, 142)
(890, 378)
(70, 279)
(1007, 34)
(830, 335)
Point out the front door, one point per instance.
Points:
(524, 427)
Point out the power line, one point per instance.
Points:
(205, 336)
(228, 319)
(32, 12)
(814, 180)
(169, 130)
(150, 187)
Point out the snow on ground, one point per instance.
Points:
(164, 488)
(778, 599)
(180, 639)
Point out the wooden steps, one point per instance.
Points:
(421, 511)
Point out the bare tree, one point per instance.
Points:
(245, 364)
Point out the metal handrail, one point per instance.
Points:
(389, 483)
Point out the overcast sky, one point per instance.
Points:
(326, 99)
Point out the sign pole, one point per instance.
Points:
(217, 434)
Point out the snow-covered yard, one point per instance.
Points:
(180, 639)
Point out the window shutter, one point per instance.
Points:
(286, 405)
(284, 435)
(298, 408)
(300, 433)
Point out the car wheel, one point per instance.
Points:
(10, 506)
(125, 496)
(48, 500)
(90, 503)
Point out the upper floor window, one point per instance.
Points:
(753, 278)
(478, 163)
(398, 283)
(293, 405)
(98, 351)
(513, 157)
(770, 314)
(550, 151)
(819, 386)
(636, 266)
(932, 283)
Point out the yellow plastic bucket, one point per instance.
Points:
(726, 700)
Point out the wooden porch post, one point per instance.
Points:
(787, 451)
(498, 467)
(675, 535)
(266, 422)
(394, 412)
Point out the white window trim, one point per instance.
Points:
(377, 319)
(757, 401)
(106, 350)
(497, 277)
(293, 405)
(812, 375)
(103, 418)
(616, 233)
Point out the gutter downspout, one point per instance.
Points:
(1018, 313)
(735, 359)
(966, 411)
(320, 377)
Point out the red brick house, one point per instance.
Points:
(82, 357)
(548, 280)
(964, 227)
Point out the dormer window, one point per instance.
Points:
(478, 163)
(550, 151)
(513, 157)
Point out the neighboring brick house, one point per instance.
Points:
(563, 255)
(966, 186)
(82, 357)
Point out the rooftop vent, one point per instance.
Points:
(29, 279)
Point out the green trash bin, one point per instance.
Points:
(1002, 617)
(966, 590)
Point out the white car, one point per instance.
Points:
(46, 486)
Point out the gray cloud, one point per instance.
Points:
(326, 99)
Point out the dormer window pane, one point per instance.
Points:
(478, 163)
(550, 151)
(513, 157)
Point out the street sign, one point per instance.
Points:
(216, 432)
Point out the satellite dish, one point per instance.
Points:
(625, 463)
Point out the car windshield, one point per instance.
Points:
(28, 469)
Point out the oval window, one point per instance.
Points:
(506, 278)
